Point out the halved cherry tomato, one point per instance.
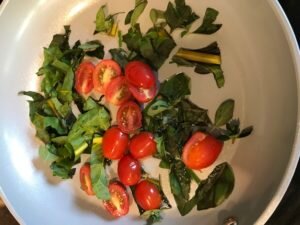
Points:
(84, 78)
(140, 74)
(147, 195)
(118, 205)
(85, 179)
(142, 145)
(201, 150)
(129, 170)
(141, 94)
(129, 117)
(105, 71)
(117, 91)
(114, 143)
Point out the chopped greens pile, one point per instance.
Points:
(70, 124)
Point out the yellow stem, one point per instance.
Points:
(97, 140)
(199, 57)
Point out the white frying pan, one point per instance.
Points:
(262, 68)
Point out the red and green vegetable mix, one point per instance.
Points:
(153, 119)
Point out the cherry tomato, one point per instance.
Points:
(142, 145)
(129, 170)
(85, 179)
(105, 71)
(201, 150)
(114, 143)
(139, 74)
(129, 117)
(84, 78)
(117, 91)
(141, 94)
(118, 205)
(147, 195)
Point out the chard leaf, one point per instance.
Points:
(175, 88)
(63, 169)
(180, 15)
(98, 173)
(133, 15)
(224, 112)
(216, 188)
(65, 90)
(93, 48)
(208, 26)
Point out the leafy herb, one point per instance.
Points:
(63, 169)
(120, 56)
(208, 26)
(93, 48)
(154, 47)
(224, 113)
(134, 14)
(98, 174)
(105, 23)
(155, 15)
(180, 15)
(205, 60)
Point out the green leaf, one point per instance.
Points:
(61, 40)
(216, 188)
(65, 91)
(180, 15)
(246, 132)
(155, 15)
(152, 216)
(34, 95)
(216, 70)
(46, 155)
(63, 169)
(87, 124)
(98, 174)
(93, 48)
(208, 26)
(175, 88)
(133, 38)
(140, 6)
(104, 23)
(224, 112)
(157, 107)
(120, 56)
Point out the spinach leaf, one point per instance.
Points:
(175, 88)
(154, 47)
(61, 40)
(208, 26)
(105, 23)
(216, 188)
(63, 169)
(46, 155)
(180, 15)
(93, 48)
(155, 15)
(224, 112)
(98, 174)
(134, 14)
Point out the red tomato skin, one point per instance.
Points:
(115, 143)
(108, 67)
(129, 117)
(147, 195)
(129, 170)
(85, 179)
(84, 78)
(140, 74)
(142, 145)
(201, 150)
(141, 94)
(118, 192)
(117, 91)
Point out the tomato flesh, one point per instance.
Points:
(141, 94)
(142, 145)
(147, 195)
(129, 170)
(104, 73)
(201, 150)
(84, 78)
(129, 117)
(117, 91)
(85, 179)
(139, 74)
(114, 143)
(118, 205)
